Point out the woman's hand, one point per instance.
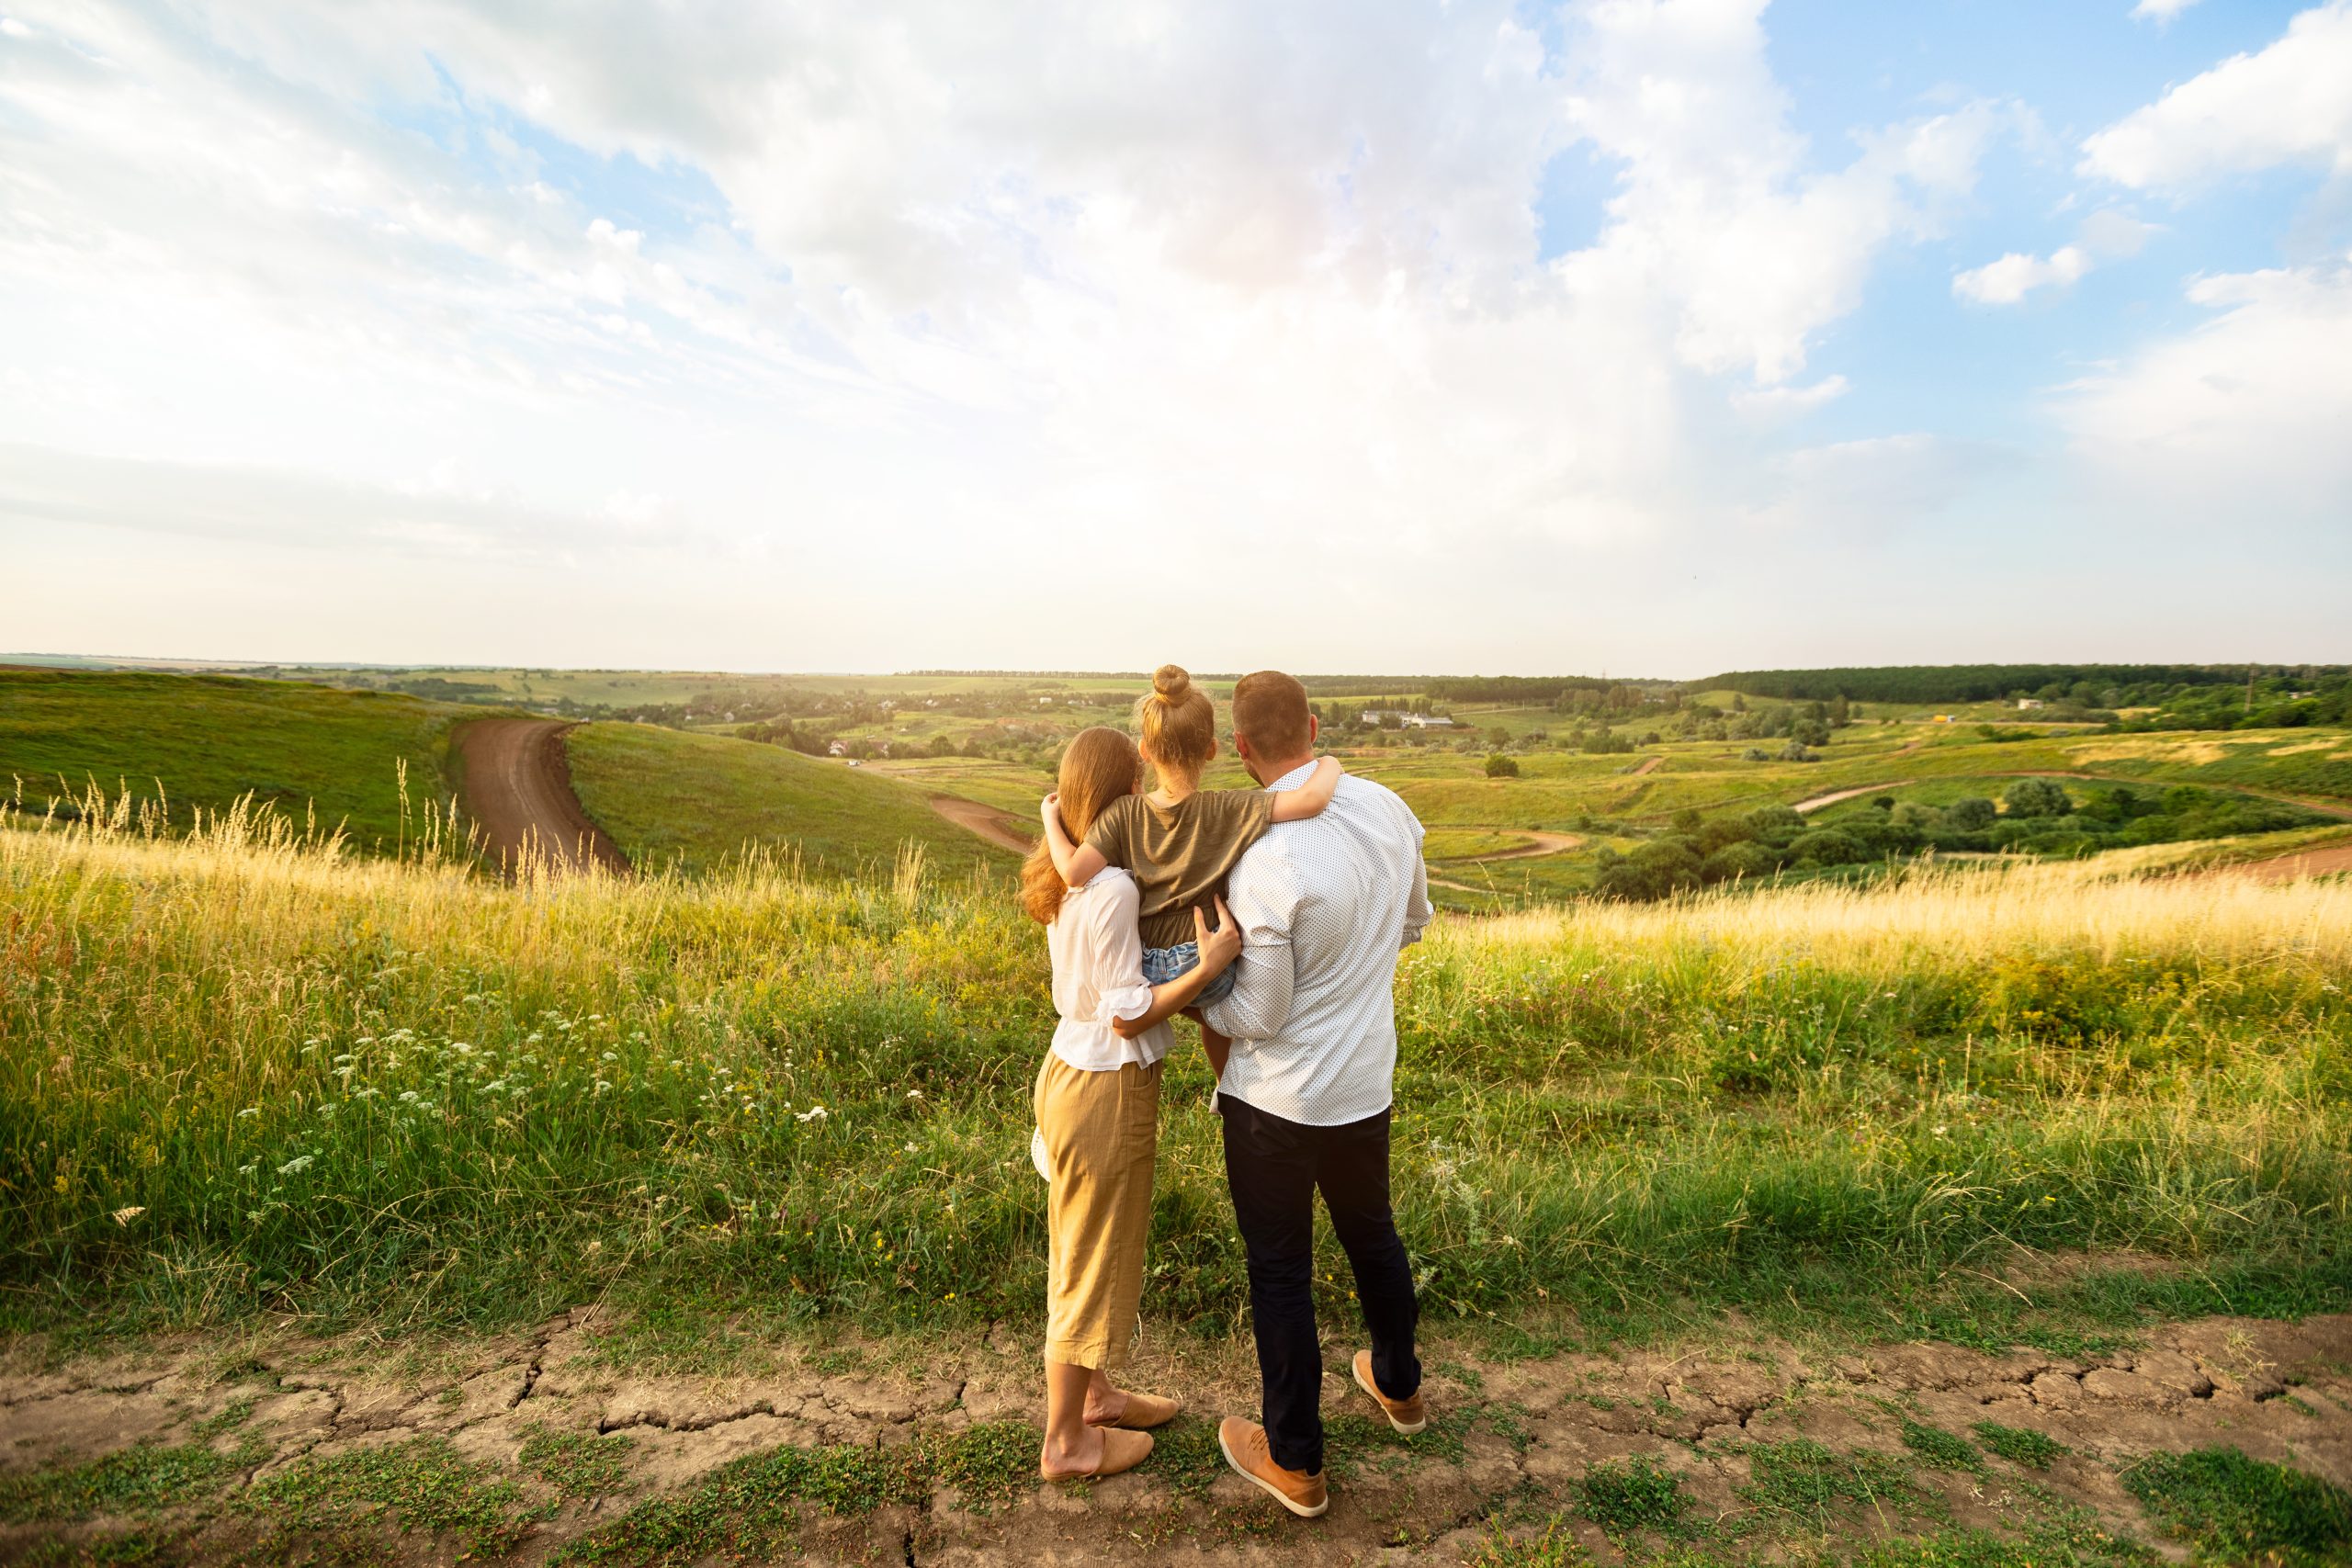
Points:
(1219, 947)
(1050, 809)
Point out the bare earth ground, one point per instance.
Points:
(1508, 1443)
(1538, 844)
(1649, 765)
(997, 827)
(518, 788)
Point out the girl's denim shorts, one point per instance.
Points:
(1161, 965)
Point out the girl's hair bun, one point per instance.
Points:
(1171, 683)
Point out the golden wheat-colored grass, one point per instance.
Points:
(1961, 916)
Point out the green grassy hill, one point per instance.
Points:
(670, 797)
(206, 740)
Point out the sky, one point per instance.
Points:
(1651, 337)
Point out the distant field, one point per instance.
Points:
(697, 801)
(205, 740)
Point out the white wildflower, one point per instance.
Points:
(814, 1114)
(295, 1166)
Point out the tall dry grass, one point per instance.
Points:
(241, 1071)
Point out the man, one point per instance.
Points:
(1324, 905)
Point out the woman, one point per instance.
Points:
(1097, 1102)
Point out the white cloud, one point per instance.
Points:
(2015, 275)
(976, 292)
(2243, 418)
(2106, 235)
(2288, 104)
(2160, 12)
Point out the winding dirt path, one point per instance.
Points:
(1834, 797)
(1544, 845)
(1649, 765)
(997, 827)
(2325, 860)
(518, 791)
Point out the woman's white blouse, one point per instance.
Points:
(1098, 976)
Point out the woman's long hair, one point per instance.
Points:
(1097, 767)
(1177, 721)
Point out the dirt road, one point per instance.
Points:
(996, 826)
(1544, 845)
(1832, 798)
(1649, 765)
(2325, 860)
(518, 791)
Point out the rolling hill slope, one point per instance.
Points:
(671, 797)
(206, 740)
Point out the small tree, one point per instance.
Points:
(2036, 798)
(1971, 813)
(1497, 735)
(1501, 767)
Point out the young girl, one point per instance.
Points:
(1179, 841)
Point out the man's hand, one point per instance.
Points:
(1218, 947)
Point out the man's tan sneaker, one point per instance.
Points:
(1409, 1415)
(1244, 1443)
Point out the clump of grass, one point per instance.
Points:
(988, 1465)
(2018, 1446)
(143, 1479)
(1804, 1480)
(749, 1507)
(580, 1465)
(1629, 1496)
(2233, 1508)
(425, 1484)
(1553, 1548)
(1939, 1450)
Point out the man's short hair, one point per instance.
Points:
(1269, 712)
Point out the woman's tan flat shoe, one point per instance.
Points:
(1143, 1412)
(1121, 1451)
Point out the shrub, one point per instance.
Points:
(1501, 767)
(1970, 814)
(2036, 798)
(1737, 860)
(1775, 822)
(1829, 846)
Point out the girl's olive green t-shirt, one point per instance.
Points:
(1180, 855)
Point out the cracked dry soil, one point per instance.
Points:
(2281, 1392)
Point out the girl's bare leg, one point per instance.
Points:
(1217, 1046)
(1072, 1447)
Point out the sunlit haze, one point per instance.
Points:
(1655, 338)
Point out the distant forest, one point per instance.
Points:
(1992, 683)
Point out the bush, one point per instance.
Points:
(1737, 860)
(1775, 822)
(1917, 814)
(1795, 752)
(1501, 767)
(1971, 814)
(2036, 798)
(1829, 846)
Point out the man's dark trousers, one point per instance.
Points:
(1275, 1167)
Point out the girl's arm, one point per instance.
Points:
(1218, 948)
(1310, 798)
(1077, 863)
